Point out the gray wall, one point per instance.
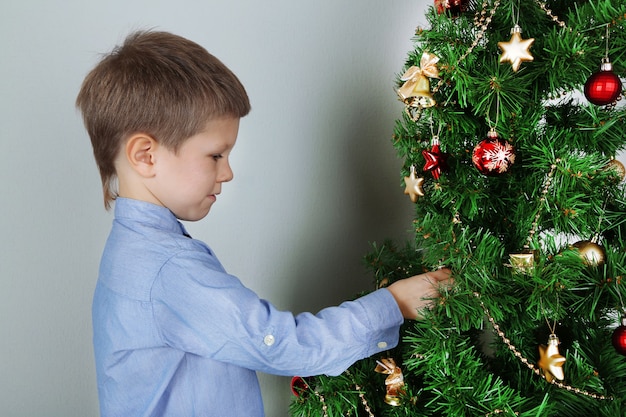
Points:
(316, 177)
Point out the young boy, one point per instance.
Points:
(174, 333)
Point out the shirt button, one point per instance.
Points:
(269, 340)
(382, 345)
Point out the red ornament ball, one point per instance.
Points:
(603, 87)
(493, 156)
(619, 339)
(454, 7)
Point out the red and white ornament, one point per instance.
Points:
(493, 156)
(455, 7)
(604, 86)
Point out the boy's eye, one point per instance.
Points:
(217, 157)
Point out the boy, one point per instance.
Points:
(174, 334)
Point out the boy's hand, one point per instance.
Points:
(414, 294)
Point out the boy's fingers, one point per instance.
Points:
(440, 274)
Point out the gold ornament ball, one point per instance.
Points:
(591, 253)
(618, 168)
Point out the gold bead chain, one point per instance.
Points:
(546, 187)
(530, 365)
(361, 395)
(481, 22)
(498, 411)
(554, 18)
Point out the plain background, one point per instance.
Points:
(316, 176)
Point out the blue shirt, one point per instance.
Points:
(176, 335)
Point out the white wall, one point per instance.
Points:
(316, 175)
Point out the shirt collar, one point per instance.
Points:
(148, 214)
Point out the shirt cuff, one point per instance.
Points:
(385, 318)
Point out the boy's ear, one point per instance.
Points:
(140, 153)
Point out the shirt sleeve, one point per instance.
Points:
(201, 309)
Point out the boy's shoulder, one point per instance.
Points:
(143, 239)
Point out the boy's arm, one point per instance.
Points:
(210, 313)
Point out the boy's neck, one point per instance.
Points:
(132, 185)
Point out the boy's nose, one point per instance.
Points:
(226, 173)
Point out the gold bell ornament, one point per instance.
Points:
(415, 91)
(394, 382)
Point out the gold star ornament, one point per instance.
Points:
(413, 186)
(516, 50)
(550, 361)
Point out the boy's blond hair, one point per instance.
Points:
(159, 84)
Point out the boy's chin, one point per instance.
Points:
(192, 215)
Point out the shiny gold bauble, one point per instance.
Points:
(617, 167)
(591, 253)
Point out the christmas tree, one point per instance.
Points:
(511, 126)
